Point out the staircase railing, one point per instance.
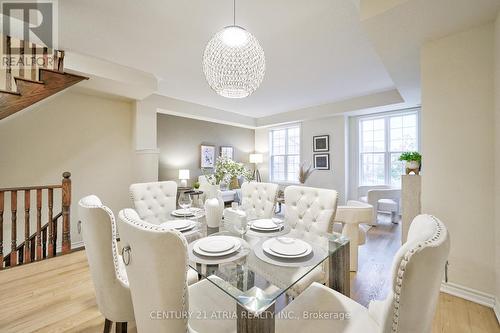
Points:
(42, 243)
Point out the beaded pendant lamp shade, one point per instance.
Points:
(234, 62)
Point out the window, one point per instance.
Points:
(285, 154)
(382, 140)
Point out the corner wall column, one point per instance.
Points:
(146, 159)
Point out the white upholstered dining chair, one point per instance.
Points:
(161, 296)
(258, 199)
(417, 271)
(154, 201)
(107, 269)
(309, 212)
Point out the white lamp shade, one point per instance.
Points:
(183, 174)
(256, 158)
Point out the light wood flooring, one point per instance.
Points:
(57, 295)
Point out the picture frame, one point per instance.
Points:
(321, 161)
(227, 151)
(321, 143)
(207, 156)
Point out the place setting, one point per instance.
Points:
(217, 249)
(267, 227)
(288, 251)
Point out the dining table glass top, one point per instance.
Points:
(249, 275)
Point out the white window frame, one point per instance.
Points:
(271, 173)
(387, 153)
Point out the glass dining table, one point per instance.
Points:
(259, 284)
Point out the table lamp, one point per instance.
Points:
(256, 159)
(183, 176)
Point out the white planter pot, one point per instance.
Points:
(213, 212)
(412, 164)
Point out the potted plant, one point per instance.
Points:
(196, 185)
(413, 161)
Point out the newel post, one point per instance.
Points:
(66, 203)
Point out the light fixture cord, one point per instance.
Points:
(234, 12)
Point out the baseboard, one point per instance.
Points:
(469, 294)
(496, 308)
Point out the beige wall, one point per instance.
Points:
(457, 146)
(333, 178)
(87, 135)
(497, 158)
(179, 141)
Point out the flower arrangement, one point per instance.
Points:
(225, 170)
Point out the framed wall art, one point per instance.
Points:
(227, 151)
(321, 143)
(207, 156)
(321, 161)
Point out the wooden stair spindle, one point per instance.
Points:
(39, 224)
(27, 250)
(66, 204)
(60, 61)
(52, 245)
(8, 78)
(1, 227)
(34, 63)
(45, 57)
(13, 237)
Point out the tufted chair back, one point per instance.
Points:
(154, 201)
(108, 273)
(258, 199)
(156, 281)
(310, 211)
(417, 272)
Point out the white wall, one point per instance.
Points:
(333, 178)
(457, 146)
(89, 136)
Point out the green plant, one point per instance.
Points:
(196, 185)
(225, 170)
(411, 156)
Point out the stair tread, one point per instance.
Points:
(10, 92)
(19, 78)
(63, 73)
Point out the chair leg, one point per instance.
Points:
(107, 325)
(121, 327)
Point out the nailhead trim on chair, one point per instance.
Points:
(436, 239)
(148, 226)
(114, 245)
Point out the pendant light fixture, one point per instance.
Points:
(234, 62)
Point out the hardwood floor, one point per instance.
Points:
(57, 295)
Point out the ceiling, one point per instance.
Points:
(316, 51)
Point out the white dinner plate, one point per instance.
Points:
(183, 212)
(264, 224)
(235, 246)
(188, 227)
(279, 227)
(217, 244)
(177, 224)
(287, 247)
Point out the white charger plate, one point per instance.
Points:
(264, 224)
(233, 243)
(189, 226)
(182, 212)
(296, 249)
(278, 228)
